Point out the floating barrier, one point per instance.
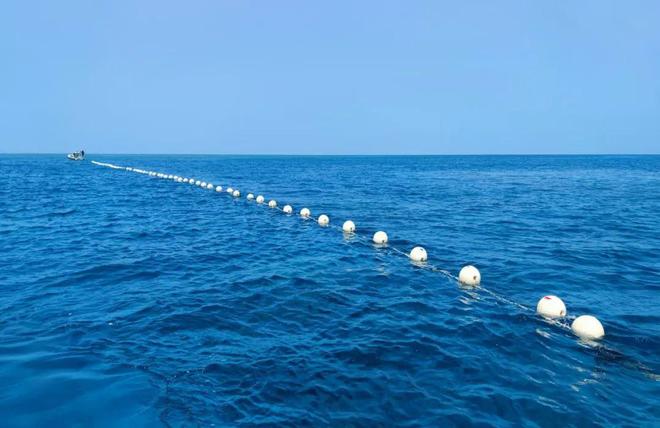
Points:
(348, 226)
(550, 308)
(588, 327)
(380, 238)
(418, 254)
(469, 275)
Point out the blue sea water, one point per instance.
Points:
(135, 301)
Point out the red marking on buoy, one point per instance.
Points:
(548, 298)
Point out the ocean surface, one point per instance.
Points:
(136, 301)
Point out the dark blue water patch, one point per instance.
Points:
(128, 300)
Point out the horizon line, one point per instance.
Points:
(337, 154)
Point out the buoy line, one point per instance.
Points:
(550, 308)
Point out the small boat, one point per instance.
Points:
(76, 155)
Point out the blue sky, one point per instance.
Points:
(340, 77)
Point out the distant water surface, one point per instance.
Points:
(128, 300)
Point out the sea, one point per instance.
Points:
(131, 300)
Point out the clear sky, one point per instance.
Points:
(347, 77)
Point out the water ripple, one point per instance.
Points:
(137, 301)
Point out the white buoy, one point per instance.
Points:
(197, 183)
(305, 213)
(380, 237)
(323, 220)
(260, 199)
(288, 209)
(218, 188)
(230, 190)
(469, 275)
(236, 194)
(588, 327)
(551, 307)
(209, 186)
(418, 254)
(192, 181)
(203, 184)
(250, 196)
(348, 226)
(272, 203)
